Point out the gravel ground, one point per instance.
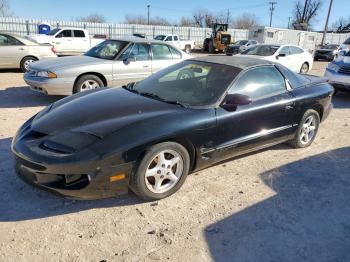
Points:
(280, 204)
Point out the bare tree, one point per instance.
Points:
(341, 24)
(4, 8)
(245, 21)
(203, 18)
(305, 13)
(142, 20)
(92, 18)
(186, 21)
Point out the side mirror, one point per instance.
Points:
(280, 55)
(129, 60)
(232, 101)
(58, 36)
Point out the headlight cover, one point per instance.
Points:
(333, 67)
(46, 74)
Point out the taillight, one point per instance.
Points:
(53, 50)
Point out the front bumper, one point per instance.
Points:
(338, 80)
(50, 86)
(82, 175)
(326, 56)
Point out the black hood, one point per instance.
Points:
(100, 113)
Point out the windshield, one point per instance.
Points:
(241, 42)
(347, 53)
(261, 50)
(108, 49)
(333, 47)
(160, 37)
(190, 83)
(54, 31)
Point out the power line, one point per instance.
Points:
(272, 8)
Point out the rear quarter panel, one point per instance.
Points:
(313, 96)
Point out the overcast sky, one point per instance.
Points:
(115, 10)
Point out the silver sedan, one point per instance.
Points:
(114, 62)
(19, 52)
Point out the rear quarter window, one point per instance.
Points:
(295, 80)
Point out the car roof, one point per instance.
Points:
(241, 62)
(137, 40)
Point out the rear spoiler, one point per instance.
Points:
(316, 79)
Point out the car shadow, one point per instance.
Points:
(10, 71)
(22, 96)
(308, 218)
(341, 100)
(20, 202)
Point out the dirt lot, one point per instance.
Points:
(280, 204)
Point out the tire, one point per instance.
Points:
(26, 61)
(145, 186)
(185, 74)
(187, 49)
(87, 82)
(299, 140)
(211, 47)
(304, 68)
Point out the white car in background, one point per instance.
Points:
(291, 56)
(68, 41)
(19, 52)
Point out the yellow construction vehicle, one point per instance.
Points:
(219, 39)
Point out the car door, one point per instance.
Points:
(297, 58)
(266, 120)
(163, 56)
(133, 65)
(81, 41)
(11, 51)
(64, 42)
(283, 57)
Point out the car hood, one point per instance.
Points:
(100, 112)
(325, 49)
(67, 62)
(342, 60)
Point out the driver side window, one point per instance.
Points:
(284, 51)
(259, 83)
(8, 41)
(138, 51)
(65, 33)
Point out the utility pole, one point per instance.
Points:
(228, 16)
(326, 25)
(272, 8)
(148, 6)
(289, 21)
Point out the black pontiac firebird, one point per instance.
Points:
(148, 136)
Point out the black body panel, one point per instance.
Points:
(74, 146)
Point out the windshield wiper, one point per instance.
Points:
(154, 96)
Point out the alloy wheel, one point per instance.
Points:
(308, 130)
(88, 85)
(164, 171)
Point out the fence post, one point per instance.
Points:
(84, 26)
(189, 33)
(58, 25)
(154, 31)
(27, 27)
(110, 31)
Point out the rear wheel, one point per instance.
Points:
(87, 82)
(26, 61)
(304, 68)
(161, 172)
(307, 129)
(211, 47)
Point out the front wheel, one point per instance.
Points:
(187, 49)
(87, 82)
(161, 172)
(307, 129)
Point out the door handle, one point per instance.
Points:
(21, 48)
(145, 66)
(289, 106)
